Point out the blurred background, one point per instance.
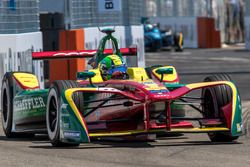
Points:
(36, 25)
(228, 14)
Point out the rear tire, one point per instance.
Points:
(7, 96)
(53, 110)
(214, 98)
(7, 104)
(177, 43)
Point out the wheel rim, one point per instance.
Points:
(52, 113)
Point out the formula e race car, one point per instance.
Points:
(150, 101)
(156, 39)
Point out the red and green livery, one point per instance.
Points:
(149, 102)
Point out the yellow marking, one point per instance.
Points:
(68, 95)
(97, 78)
(211, 129)
(230, 84)
(166, 77)
(27, 80)
(121, 133)
(134, 132)
(116, 59)
(137, 74)
(154, 86)
(181, 39)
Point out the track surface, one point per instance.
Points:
(189, 150)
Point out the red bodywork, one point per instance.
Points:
(140, 91)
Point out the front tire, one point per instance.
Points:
(214, 98)
(53, 110)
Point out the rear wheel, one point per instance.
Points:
(7, 104)
(53, 110)
(214, 98)
(178, 42)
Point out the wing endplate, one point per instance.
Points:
(234, 108)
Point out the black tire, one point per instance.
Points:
(177, 44)
(52, 113)
(7, 95)
(7, 104)
(213, 99)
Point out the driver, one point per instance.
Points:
(113, 67)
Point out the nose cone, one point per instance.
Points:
(160, 95)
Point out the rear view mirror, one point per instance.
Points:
(85, 74)
(162, 71)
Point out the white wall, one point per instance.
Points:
(186, 25)
(138, 40)
(15, 54)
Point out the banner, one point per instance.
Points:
(109, 5)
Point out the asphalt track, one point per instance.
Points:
(189, 150)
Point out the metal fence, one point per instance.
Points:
(247, 7)
(229, 22)
(85, 13)
(178, 8)
(19, 16)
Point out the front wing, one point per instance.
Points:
(73, 126)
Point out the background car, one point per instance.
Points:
(156, 39)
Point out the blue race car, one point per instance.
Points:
(155, 39)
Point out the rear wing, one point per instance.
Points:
(78, 54)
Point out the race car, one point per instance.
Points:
(156, 39)
(148, 102)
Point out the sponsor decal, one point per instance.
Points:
(71, 134)
(158, 91)
(29, 104)
(109, 5)
(239, 127)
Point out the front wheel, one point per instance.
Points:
(53, 110)
(214, 98)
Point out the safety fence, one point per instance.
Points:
(229, 19)
(19, 16)
(94, 13)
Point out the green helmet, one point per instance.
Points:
(112, 66)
